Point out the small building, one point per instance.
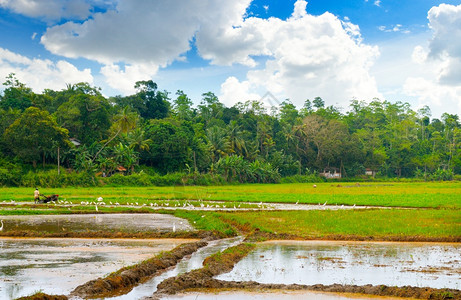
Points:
(75, 142)
(331, 173)
(370, 172)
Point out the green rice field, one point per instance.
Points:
(420, 194)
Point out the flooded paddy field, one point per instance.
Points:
(352, 263)
(96, 222)
(57, 266)
(186, 265)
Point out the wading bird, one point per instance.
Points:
(1, 228)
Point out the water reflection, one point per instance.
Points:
(185, 265)
(96, 222)
(57, 266)
(415, 264)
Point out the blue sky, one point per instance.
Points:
(339, 50)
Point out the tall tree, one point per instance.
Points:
(34, 133)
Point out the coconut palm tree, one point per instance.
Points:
(123, 122)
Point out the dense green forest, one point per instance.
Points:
(154, 132)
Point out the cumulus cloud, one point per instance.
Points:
(441, 98)
(49, 9)
(309, 56)
(445, 22)
(123, 79)
(137, 37)
(233, 91)
(442, 61)
(40, 74)
(139, 31)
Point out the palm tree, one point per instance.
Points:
(124, 121)
(218, 142)
(236, 142)
(136, 141)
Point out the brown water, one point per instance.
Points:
(96, 222)
(57, 266)
(359, 263)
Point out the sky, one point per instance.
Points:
(407, 50)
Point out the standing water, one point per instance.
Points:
(57, 266)
(358, 263)
(185, 265)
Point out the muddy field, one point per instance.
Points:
(29, 265)
(355, 263)
(159, 223)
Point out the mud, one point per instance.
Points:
(42, 296)
(260, 236)
(433, 265)
(31, 265)
(189, 263)
(126, 278)
(222, 263)
(201, 278)
(154, 223)
(377, 290)
(242, 294)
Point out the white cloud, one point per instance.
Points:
(41, 74)
(439, 98)
(441, 60)
(49, 9)
(419, 55)
(394, 28)
(445, 22)
(309, 56)
(142, 35)
(138, 31)
(124, 79)
(233, 91)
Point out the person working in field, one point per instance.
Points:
(36, 195)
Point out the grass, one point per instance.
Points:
(360, 223)
(441, 217)
(417, 194)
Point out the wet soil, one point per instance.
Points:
(189, 263)
(157, 223)
(126, 278)
(260, 236)
(219, 264)
(214, 265)
(42, 296)
(29, 265)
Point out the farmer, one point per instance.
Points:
(36, 195)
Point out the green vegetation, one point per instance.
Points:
(440, 217)
(155, 138)
(359, 223)
(416, 194)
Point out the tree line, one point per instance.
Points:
(156, 132)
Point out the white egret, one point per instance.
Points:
(100, 199)
(174, 227)
(1, 228)
(96, 207)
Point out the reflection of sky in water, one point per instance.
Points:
(195, 261)
(96, 222)
(57, 266)
(352, 263)
(267, 295)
